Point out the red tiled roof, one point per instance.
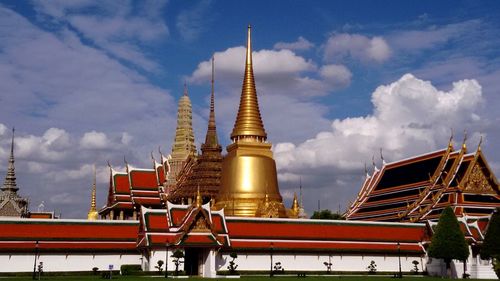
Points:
(143, 179)
(67, 234)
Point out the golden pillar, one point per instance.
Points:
(249, 184)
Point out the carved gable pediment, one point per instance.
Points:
(200, 224)
(478, 181)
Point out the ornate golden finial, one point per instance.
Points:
(464, 145)
(480, 143)
(295, 204)
(92, 214)
(450, 142)
(199, 200)
(249, 125)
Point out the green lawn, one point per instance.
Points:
(245, 278)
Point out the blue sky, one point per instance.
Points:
(85, 82)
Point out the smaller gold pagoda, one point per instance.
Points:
(93, 214)
(249, 183)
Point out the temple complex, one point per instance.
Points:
(210, 206)
(11, 204)
(417, 189)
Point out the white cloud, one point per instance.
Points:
(431, 37)
(299, 45)
(3, 129)
(65, 88)
(410, 116)
(336, 74)
(278, 72)
(116, 28)
(191, 22)
(356, 46)
(95, 140)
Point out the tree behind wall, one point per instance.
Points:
(327, 215)
(448, 241)
(491, 244)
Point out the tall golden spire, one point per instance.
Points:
(92, 214)
(249, 178)
(248, 123)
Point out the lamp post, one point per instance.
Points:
(166, 259)
(271, 271)
(34, 264)
(399, 259)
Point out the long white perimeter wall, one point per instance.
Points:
(66, 262)
(315, 262)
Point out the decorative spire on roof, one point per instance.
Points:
(199, 200)
(249, 125)
(92, 214)
(480, 143)
(211, 137)
(185, 89)
(295, 204)
(382, 157)
(450, 142)
(9, 183)
(300, 192)
(464, 145)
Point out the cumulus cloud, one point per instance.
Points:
(356, 46)
(67, 98)
(299, 45)
(278, 72)
(336, 74)
(91, 140)
(116, 28)
(410, 117)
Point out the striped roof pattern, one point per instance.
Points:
(420, 187)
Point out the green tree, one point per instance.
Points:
(491, 244)
(448, 241)
(326, 215)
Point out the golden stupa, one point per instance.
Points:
(249, 183)
(93, 214)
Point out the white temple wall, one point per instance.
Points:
(315, 262)
(155, 256)
(66, 262)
